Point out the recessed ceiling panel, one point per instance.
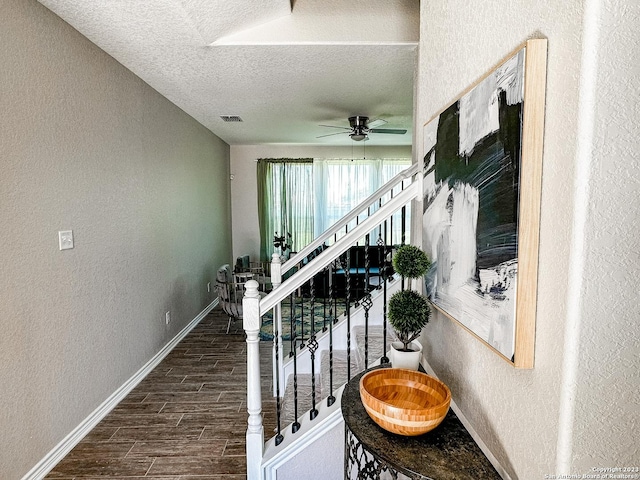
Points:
(337, 22)
(216, 18)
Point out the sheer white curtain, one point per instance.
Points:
(304, 198)
(285, 202)
(339, 185)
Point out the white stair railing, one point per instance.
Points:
(391, 198)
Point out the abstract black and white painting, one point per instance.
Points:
(471, 205)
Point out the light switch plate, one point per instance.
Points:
(65, 239)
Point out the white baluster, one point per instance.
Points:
(276, 280)
(255, 429)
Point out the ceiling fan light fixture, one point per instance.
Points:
(359, 131)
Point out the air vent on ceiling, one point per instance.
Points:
(230, 118)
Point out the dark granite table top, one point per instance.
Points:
(446, 453)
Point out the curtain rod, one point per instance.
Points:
(285, 160)
(310, 160)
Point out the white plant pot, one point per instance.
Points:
(408, 360)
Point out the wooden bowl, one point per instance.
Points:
(406, 402)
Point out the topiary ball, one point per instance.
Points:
(411, 262)
(408, 312)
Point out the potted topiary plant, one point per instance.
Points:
(408, 311)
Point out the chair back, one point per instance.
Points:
(243, 264)
(230, 294)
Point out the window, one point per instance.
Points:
(305, 197)
(340, 185)
(285, 202)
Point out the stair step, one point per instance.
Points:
(375, 342)
(339, 369)
(304, 397)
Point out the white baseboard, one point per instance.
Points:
(52, 458)
(483, 446)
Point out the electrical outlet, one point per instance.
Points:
(209, 287)
(167, 318)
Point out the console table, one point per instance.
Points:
(446, 453)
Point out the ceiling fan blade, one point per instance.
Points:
(395, 131)
(378, 122)
(331, 134)
(333, 126)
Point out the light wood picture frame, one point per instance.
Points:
(481, 210)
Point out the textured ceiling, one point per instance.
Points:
(284, 67)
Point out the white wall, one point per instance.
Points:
(244, 198)
(85, 145)
(309, 465)
(577, 408)
(602, 371)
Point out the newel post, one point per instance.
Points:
(276, 270)
(255, 430)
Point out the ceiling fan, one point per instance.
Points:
(360, 128)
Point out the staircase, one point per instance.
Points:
(333, 370)
(324, 355)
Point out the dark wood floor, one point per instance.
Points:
(185, 421)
